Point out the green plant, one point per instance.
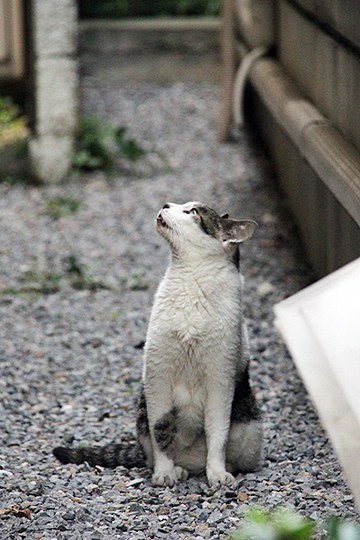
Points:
(136, 280)
(48, 281)
(100, 144)
(79, 277)
(12, 123)
(129, 148)
(62, 206)
(287, 525)
(9, 111)
(40, 281)
(280, 525)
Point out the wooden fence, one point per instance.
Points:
(304, 100)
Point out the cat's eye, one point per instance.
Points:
(194, 212)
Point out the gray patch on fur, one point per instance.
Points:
(142, 422)
(244, 406)
(165, 430)
(210, 220)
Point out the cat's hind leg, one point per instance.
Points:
(244, 448)
(244, 445)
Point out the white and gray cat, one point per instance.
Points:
(196, 412)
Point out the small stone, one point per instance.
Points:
(163, 510)
(91, 488)
(135, 482)
(69, 438)
(265, 289)
(69, 516)
(215, 516)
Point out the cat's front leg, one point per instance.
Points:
(217, 425)
(162, 425)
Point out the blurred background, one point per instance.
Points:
(308, 74)
(141, 8)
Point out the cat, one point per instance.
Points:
(197, 412)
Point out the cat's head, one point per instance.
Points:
(194, 227)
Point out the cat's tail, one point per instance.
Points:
(128, 455)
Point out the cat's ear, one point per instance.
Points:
(235, 231)
(224, 216)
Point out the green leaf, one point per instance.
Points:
(129, 148)
(280, 525)
(9, 111)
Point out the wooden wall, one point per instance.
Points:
(306, 105)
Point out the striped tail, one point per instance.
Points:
(127, 455)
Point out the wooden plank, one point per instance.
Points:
(229, 65)
(11, 39)
(337, 163)
(339, 18)
(168, 24)
(4, 52)
(334, 160)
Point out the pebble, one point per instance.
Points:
(264, 289)
(70, 362)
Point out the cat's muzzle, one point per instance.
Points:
(161, 222)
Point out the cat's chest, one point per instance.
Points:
(196, 311)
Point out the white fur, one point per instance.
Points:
(193, 352)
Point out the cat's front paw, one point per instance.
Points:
(169, 477)
(220, 478)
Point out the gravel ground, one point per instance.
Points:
(71, 360)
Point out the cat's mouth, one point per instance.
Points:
(161, 222)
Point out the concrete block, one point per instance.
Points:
(55, 27)
(56, 96)
(51, 157)
(55, 87)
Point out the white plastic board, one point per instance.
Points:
(321, 326)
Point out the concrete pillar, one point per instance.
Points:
(55, 87)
